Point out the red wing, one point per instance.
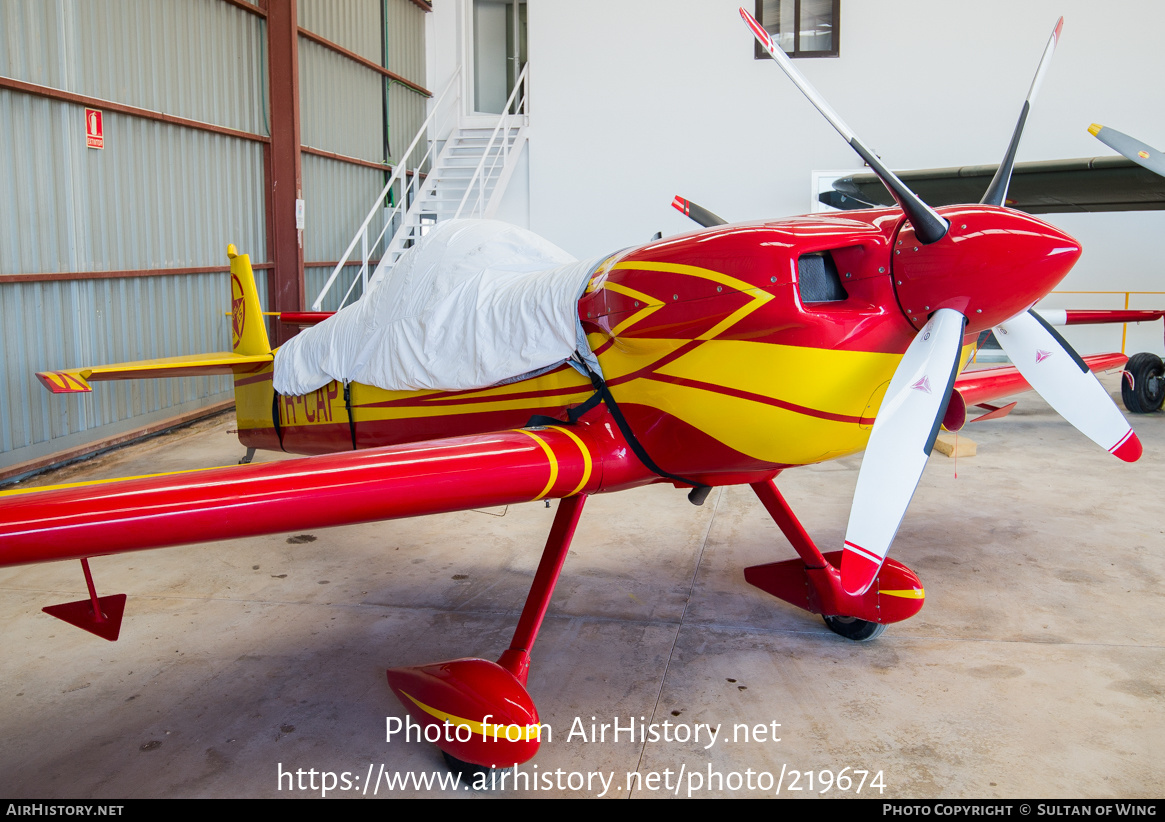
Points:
(93, 519)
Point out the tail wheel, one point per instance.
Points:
(859, 630)
(1143, 386)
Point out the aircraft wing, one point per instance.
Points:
(1046, 187)
(114, 516)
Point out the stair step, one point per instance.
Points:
(448, 179)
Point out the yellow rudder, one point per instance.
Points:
(248, 329)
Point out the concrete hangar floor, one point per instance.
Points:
(1034, 669)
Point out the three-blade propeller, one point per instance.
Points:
(916, 400)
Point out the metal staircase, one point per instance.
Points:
(466, 179)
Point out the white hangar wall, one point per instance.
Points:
(633, 103)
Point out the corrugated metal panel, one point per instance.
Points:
(405, 28)
(70, 323)
(406, 113)
(200, 59)
(157, 196)
(352, 24)
(337, 198)
(341, 108)
(316, 277)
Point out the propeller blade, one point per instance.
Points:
(698, 213)
(899, 446)
(997, 191)
(1058, 374)
(929, 227)
(1130, 147)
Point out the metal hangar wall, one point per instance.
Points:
(212, 118)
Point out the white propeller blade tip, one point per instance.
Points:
(1129, 448)
(859, 568)
(758, 30)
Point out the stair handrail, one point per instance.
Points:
(519, 84)
(397, 172)
(489, 208)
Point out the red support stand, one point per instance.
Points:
(97, 615)
(479, 711)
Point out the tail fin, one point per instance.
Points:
(252, 350)
(248, 330)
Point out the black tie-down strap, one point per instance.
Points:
(348, 408)
(699, 491)
(275, 419)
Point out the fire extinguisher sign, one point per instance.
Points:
(94, 133)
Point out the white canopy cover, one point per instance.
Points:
(474, 303)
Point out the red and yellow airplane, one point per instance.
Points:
(728, 355)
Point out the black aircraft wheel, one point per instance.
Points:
(478, 775)
(1143, 383)
(859, 630)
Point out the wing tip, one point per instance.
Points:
(61, 382)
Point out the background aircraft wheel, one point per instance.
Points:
(1147, 391)
(859, 630)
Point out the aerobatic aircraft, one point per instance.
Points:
(725, 356)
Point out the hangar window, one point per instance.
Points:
(818, 280)
(802, 28)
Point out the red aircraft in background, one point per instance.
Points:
(728, 355)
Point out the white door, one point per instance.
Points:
(499, 51)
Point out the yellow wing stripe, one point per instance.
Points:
(527, 732)
(549, 456)
(13, 492)
(908, 593)
(586, 459)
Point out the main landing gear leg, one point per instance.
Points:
(476, 711)
(813, 582)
